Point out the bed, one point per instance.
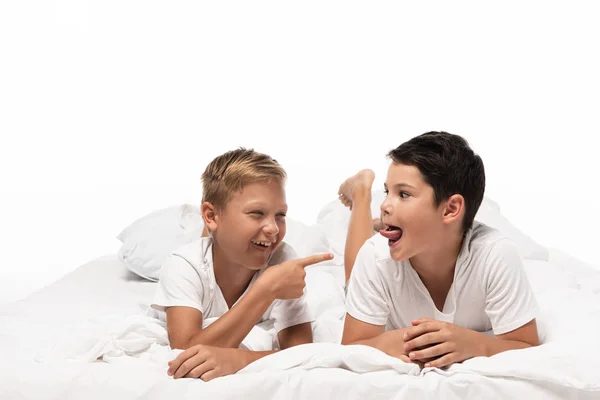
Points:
(91, 334)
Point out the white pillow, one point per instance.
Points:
(586, 275)
(568, 308)
(334, 218)
(148, 241)
(490, 215)
(546, 276)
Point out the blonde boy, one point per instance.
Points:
(242, 273)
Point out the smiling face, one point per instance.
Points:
(414, 224)
(248, 229)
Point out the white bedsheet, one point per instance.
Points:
(50, 341)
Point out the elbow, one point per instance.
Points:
(346, 340)
(178, 342)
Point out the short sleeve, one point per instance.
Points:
(510, 301)
(179, 285)
(364, 299)
(287, 313)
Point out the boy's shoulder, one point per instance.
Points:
(482, 238)
(486, 246)
(194, 252)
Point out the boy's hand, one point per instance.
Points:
(286, 280)
(206, 362)
(445, 343)
(392, 344)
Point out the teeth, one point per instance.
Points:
(266, 244)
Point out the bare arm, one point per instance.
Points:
(248, 356)
(359, 332)
(521, 338)
(360, 229)
(184, 324)
(295, 335)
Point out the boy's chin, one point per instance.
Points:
(398, 255)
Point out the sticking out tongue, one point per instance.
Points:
(393, 233)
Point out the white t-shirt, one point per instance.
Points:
(187, 279)
(490, 291)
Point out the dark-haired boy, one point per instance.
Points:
(433, 281)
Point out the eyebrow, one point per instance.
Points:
(400, 185)
(260, 204)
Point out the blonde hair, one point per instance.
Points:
(231, 171)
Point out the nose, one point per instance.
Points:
(271, 228)
(385, 207)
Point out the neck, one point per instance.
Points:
(230, 276)
(438, 266)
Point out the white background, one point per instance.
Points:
(110, 110)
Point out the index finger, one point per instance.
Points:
(314, 259)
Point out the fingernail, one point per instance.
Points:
(412, 355)
(428, 365)
(405, 335)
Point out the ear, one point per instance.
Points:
(454, 209)
(209, 215)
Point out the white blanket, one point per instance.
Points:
(567, 364)
(124, 356)
(328, 370)
(133, 335)
(115, 338)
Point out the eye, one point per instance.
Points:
(281, 215)
(257, 213)
(404, 195)
(386, 191)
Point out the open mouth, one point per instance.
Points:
(262, 245)
(392, 233)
